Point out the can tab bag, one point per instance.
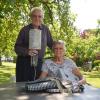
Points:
(52, 85)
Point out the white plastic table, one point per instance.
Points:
(14, 91)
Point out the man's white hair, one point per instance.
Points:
(37, 9)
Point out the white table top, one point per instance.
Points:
(14, 92)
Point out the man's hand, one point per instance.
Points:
(32, 52)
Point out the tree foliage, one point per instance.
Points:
(58, 17)
(14, 15)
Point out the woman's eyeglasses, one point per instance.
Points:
(58, 48)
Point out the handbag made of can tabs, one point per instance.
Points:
(51, 85)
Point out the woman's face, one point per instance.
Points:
(58, 50)
(37, 18)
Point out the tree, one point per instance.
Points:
(12, 18)
(14, 15)
(98, 27)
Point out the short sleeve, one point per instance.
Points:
(45, 67)
(73, 64)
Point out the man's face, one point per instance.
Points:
(37, 18)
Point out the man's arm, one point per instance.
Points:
(20, 47)
(49, 39)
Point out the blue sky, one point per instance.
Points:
(88, 12)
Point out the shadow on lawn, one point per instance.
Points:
(4, 77)
(92, 74)
(5, 66)
(5, 73)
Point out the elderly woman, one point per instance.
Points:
(61, 67)
(24, 71)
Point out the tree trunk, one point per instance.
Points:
(0, 61)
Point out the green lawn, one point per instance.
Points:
(8, 69)
(93, 78)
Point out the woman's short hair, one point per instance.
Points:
(36, 9)
(59, 42)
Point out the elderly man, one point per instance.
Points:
(61, 67)
(24, 71)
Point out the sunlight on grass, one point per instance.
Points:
(94, 81)
(6, 71)
(92, 78)
(10, 65)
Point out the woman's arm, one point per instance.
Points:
(77, 72)
(43, 75)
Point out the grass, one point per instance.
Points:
(92, 78)
(8, 69)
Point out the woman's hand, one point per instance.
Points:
(77, 72)
(82, 81)
(32, 52)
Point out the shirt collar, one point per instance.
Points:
(32, 27)
(53, 63)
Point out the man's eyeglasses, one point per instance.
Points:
(35, 16)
